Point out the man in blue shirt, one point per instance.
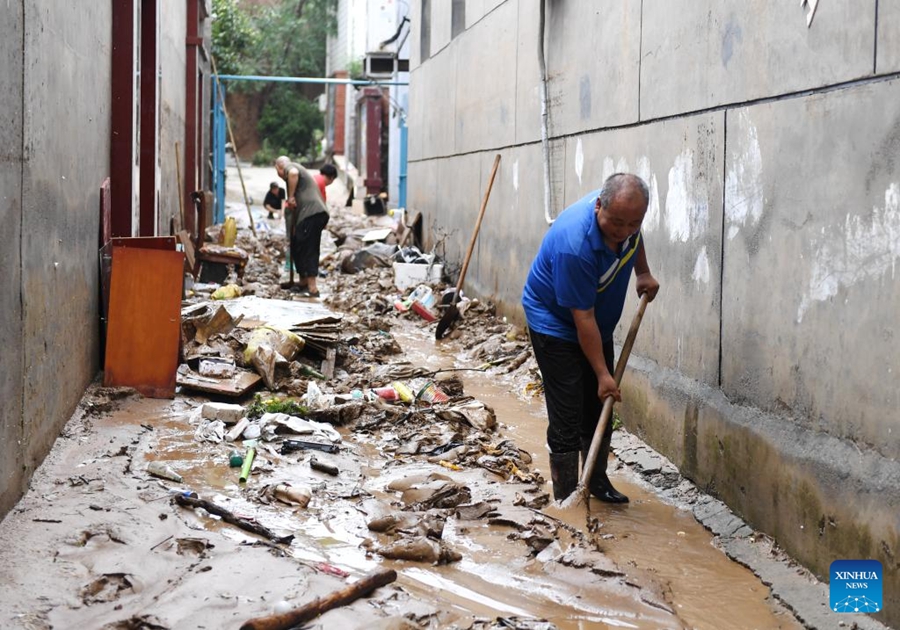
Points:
(573, 299)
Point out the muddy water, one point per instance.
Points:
(647, 536)
(658, 546)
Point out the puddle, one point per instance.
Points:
(650, 537)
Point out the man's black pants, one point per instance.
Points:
(570, 389)
(306, 244)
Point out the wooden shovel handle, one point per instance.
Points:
(484, 202)
(605, 415)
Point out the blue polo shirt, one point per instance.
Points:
(575, 268)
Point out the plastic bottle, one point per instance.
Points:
(403, 391)
(159, 469)
(229, 232)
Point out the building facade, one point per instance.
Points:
(381, 27)
(95, 97)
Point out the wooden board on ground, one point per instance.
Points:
(282, 314)
(238, 385)
(144, 329)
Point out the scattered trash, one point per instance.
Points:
(324, 467)
(420, 549)
(217, 367)
(228, 292)
(237, 430)
(292, 446)
(431, 394)
(229, 517)
(227, 413)
(164, 471)
(404, 393)
(269, 346)
(292, 495)
(213, 431)
(347, 595)
(248, 460)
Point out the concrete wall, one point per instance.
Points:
(12, 33)
(172, 102)
(766, 368)
(55, 139)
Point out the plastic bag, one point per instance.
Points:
(268, 346)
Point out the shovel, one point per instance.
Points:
(581, 491)
(452, 313)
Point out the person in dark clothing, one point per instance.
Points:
(573, 299)
(273, 199)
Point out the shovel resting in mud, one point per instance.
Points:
(581, 493)
(452, 313)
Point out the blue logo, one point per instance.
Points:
(855, 586)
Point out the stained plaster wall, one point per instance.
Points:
(765, 367)
(55, 148)
(172, 102)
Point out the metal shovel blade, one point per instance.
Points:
(447, 320)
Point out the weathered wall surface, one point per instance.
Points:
(172, 103)
(11, 383)
(767, 364)
(55, 157)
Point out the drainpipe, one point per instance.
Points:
(545, 115)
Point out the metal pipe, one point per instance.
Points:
(545, 114)
(251, 77)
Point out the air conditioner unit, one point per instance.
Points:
(381, 65)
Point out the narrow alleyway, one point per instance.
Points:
(453, 497)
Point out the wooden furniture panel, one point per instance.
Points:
(144, 328)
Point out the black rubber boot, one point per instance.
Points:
(600, 485)
(563, 474)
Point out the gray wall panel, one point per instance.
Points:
(486, 90)
(11, 60)
(811, 252)
(528, 75)
(592, 57)
(67, 140)
(888, 36)
(702, 53)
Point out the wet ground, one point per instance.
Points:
(98, 543)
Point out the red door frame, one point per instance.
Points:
(148, 129)
(121, 116)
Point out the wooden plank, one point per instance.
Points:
(238, 385)
(144, 329)
(145, 242)
(185, 239)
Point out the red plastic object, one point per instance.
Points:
(423, 311)
(387, 393)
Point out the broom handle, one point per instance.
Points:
(608, 403)
(487, 194)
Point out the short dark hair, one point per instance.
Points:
(328, 170)
(273, 185)
(620, 182)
